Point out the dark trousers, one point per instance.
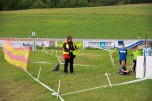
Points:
(134, 66)
(66, 65)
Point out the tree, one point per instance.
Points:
(49, 3)
(64, 3)
(39, 4)
(9, 4)
(83, 3)
(25, 4)
(74, 3)
(1, 4)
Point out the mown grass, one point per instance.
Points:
(17, 85)
(120, 22)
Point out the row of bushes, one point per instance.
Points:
(27, 4)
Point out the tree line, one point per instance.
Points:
(28, 4)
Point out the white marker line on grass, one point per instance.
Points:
(85, 65)
(108, 50)
(129, 82)
(81, 65)
(42, 62)
(123, 83)
(63, 63)
(84, 90)
(44, 85)
(75, 64)
(48, 52)
(59, 60)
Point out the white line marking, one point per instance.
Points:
(44, 85)
(129, 82)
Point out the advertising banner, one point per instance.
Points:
(102, 44)
(77, 43)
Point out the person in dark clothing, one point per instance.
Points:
(68, 48)
(122, 69)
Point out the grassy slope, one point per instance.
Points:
(130, 21)
(16, 85)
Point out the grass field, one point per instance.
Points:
(17, 85)
(120, 22)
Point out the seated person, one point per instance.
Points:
(123, 70)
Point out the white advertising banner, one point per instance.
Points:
(140, 67)
(27, 43)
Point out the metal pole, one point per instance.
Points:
(34, 45)
(144, 64)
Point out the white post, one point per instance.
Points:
(39, 73)
(34, 43)
(106, 74)
(58, 89)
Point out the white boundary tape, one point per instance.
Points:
(84, 90)
(47, 87)
(75, 64)
(110, 53)
(63, 63)
(129, 82)
(85, 65)
(59, 60)
(42, 62)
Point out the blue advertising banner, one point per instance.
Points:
(102, 44)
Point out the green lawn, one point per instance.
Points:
(120, 22)
(17, 85)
